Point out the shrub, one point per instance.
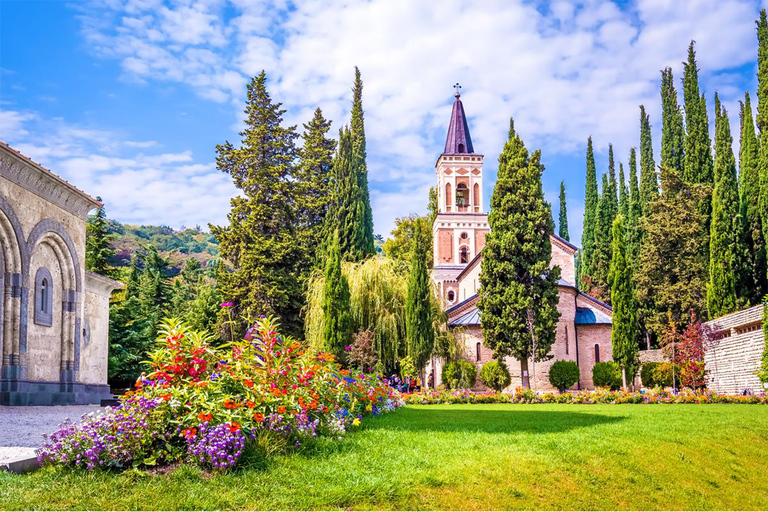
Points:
(459, 374)
(606, 374)
(563, 374)
(658, 374)
(495, 375)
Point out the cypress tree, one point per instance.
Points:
(260, 242)
(672, 135)
(591, 199)
(518, 289)
(613, 186)
(649, 183)
(749, 191)
(346, 210)
(359, 154)
(601, 256)
(337, 319)
(698, 146)
(623, 194)
(98, 250)
(624, 327)
(725, 237)
(634, 212)
(563, 220)
(762, 117)
(419, 331)
(313, 183)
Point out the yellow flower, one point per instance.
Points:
(356, 422)
(369, 408)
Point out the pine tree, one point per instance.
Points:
(337, 319)
(725, 239)
(519, 295)
(623, 194)
(624, 325)
(672, 134)
(260, 242)
(563, 220)
(634, 212)
(419, 331)
(360, 167)
(591, 199)
(749, 190)
(649, 183)
(98, 250)
(313, 184)
(601, 256)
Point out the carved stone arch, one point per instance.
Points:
(13, 277)
(45, 230)
(14, 257)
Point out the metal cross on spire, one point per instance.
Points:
(457, 87)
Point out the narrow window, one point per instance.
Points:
(451, 296)
(597, 353)
(478, 351)
(463, 255)
(566, 340)
(461, 148)
(44, 291)
(43, 298)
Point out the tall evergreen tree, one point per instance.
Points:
(260, 242)
(762, 117)
(313, 183)
(419, 331)
(98, 250)
(749, 190)
(624, 325)
(614, 204)
(649, 183)
(623, 194)
(591, 199)
(359, 156)
(725, 239)
(337, 319)
(634, 212)
(518, 295)
(672, 134)
(563, 219)
(601, 256)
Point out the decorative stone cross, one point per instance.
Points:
(457, 87)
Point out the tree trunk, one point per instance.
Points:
(624, 377)
(524, 373)
(647, 340)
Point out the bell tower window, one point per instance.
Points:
(461, 148)
(464, 255)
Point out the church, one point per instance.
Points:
(459, 231)
(54, 314)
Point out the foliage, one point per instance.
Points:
(686, 347)
(606, 374)
(198, 397)
(362, 354)
(591, 200)
(518, 289)
(633, 217)
(98, 250)
(459, 374)
(762, 371)
(726, 251)
(400, 245)
(623, 193)
(495, 375)
(419, 331)
(260, 244)
(600, 261)
(563, 374)
(672, 134)
(658, 374)
(337, 321)
(649, 184)
(671, 274)
(360, 170)
(378, 290)
(562, 223)
(624, 323)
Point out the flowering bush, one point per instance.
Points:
(582, 397)
(207, 402)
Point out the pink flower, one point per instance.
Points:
(226, 304)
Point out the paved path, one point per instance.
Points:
(25, 426)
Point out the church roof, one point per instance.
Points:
(586, 316)
(471, 317)
(458, 140)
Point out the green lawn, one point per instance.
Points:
(467, 457)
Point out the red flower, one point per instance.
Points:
(248, 383)
(190, 432)
(250, 404)
(205, 417)
(258, 417)
(234, 426)
(281, 409)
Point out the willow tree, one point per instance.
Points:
(378, 289)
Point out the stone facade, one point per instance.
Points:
(732, 358)
(49, 302)
(459, 231)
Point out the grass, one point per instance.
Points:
(466, 457)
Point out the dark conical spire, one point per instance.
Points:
(458, 140)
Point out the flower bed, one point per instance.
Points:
(582, 397)
(204, 404)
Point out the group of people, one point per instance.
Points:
(404, 384)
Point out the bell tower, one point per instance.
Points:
(461, 225)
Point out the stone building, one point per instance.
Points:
(54, 315)
(733, 356)
(459, 230)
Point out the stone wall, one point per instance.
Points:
(733, 357)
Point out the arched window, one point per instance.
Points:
(462, 195)
(448, 196)
(461, 148)
(43, 297)
(476, 188)
(464, 255)
(597, 353)
(451, 296)
(478, 351)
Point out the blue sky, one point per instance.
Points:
(127, 99)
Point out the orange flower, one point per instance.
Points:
(250, 404)
(234, 426)
(166, 396)
(190, 432)
(204, 417)
(258, 417)
(281, 409)
(248, 382)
